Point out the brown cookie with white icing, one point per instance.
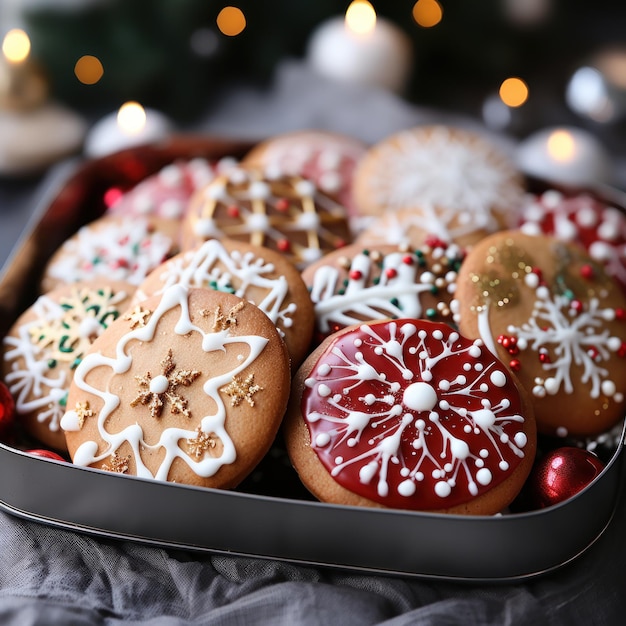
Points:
(191, 387)
(113, 247)
(409, 414)
(47, 342)
(357, 284)
(460, 184)
(284, 213)
(557, 319)
(260, 275)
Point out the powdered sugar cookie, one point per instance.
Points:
(328, 159)
(166, 194)
(409, 414)
(190, 388)
(355, 285)
(113, 247)
(47, 342)
(260, 275)
(555, 317)
(287, 214)
(580, 217)
(461, 184)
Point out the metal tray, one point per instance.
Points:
(270, 515)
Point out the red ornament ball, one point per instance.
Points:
(7, 409)
(560, 474)
(46, 454)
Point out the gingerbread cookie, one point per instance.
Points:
(113, 247)
(47, 342)
(409, 414)
(355, 285)
(582, 218)
(190, 387)
(462, 186)
(166, 194)
(287, 214)
(554, 316)
(260, 275)
(326, 158)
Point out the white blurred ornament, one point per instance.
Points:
(527, 13)
(130, 126)
(34, 132)
(362, 48)
(565, 155)
(597, 89)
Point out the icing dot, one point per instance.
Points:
(442, 489)
(484, 418)
(531, 280)
(608, 388)
(551, 386)
(259, 190)
(498, 378)
(483, 476)
(323, 439)
(474, 351)
(159, 384)
(308, 221)
(206, 228)
(406, 488)
(323, 369)
(324, 390)
(503, 465)
(367, 472)
(257, 221)
(520, 439)
(420, 396)
(305, 188)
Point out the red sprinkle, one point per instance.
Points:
(407, 259)
(233, 211)
(391, 272)
(283, 245)
(355, 275)
(586, 271)
(620, 314)
(282, 205)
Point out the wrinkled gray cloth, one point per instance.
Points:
(54, 576)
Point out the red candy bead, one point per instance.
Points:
(391, 272)
(355, 275)
(7, 408)
(515, 365)
(586, 271)
(282, 205)
(283, 245)
(233, 211)
(46, 454)
(407, 260)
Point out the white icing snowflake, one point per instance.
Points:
(403, 398)
(570, 336)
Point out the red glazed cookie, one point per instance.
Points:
(47, 342)
(328, 159)
(557, 319)
(355, 285)
(287, 214)
(166, 194)
(190, 388)
(260, 275)
(114, 248)
(581, 218)
(462, 185)
(409, 414)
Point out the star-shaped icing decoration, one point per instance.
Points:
(201, 443)
(224, 322)
(83, 412)
(118, 464)
(137, 316)
(155, 392)
(240, 390)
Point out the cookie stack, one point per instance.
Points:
(410, 314)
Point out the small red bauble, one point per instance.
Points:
(7, 409)
(561, 474)
(46, 454)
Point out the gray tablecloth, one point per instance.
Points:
(53, 576)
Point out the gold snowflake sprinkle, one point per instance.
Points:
(83, 412)
(154, 392)
(240, 390)
(224, 322)
(201, 443)
(119, 464)
(137, 317)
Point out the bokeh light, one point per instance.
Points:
(514, 92)
(361, 17)
(16, 45)
(131, 118)
(231, 21)
(427, 13)
(561, 146)
(88, 69)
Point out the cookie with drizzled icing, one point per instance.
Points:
(409, 414)
(557, 319)
(189, 386)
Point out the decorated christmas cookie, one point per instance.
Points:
(554, 316)
(47, 342)
(112, 247)
(409, 414)
(460, 184)
(582, 218)
(288, 214)
(260, 275)
(358, 284)
(190, 387)
(328, 159)
(166, 194)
